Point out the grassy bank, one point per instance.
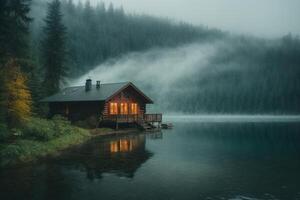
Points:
(43, 137)
(39, 138)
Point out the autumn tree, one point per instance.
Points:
(17, 97)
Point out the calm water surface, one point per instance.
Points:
(192, 161)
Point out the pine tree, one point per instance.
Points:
(14, 29)
(88, 11)
(3, 31)
(18, 97)
(70, 7)
(110, 9)
(53, 49)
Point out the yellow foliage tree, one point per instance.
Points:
(18, 96)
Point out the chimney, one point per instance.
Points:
(98, 85)
(88, 84)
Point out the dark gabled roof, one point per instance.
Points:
(104, 93)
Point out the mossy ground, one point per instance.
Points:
(26, 150)
(42, 137)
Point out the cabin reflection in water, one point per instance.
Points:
(121, 156)
(125, 145)
(155, 136)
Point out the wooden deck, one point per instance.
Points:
(149, 118)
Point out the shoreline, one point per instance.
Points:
(99, 132)
(24, 151)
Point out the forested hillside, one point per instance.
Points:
(245, 75)
(95, 34)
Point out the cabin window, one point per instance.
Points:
(134, 108)
(113, 108)
(123, 108)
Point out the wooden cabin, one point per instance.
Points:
(110, 102)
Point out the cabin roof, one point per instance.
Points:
(104, 93)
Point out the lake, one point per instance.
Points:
(194, 160)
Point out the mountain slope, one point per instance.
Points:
(96, 34)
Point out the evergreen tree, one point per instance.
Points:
(111, 8)
(3, 30)
(53, 48)
(14, 28)
(70, 7)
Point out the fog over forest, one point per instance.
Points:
(185, 68)
(227, 76)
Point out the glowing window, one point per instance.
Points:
(134, 109)
(124, 109)
(113, 108)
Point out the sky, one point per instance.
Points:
(268, 18)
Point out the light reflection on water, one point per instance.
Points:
(192, 161)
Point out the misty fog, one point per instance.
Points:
(238, 75)
(157, 70)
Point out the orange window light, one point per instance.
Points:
(134, 108)
(113, 108)
(124, 109)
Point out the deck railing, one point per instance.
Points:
(134, 118)
(153, 117)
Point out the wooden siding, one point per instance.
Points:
(129, 96)
(75, 111)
